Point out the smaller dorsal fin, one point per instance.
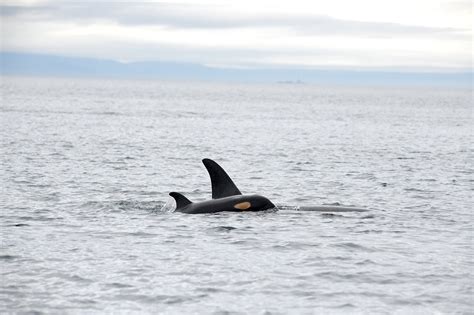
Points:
(181, 201)
(222, 185)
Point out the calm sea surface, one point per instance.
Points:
(86, 167)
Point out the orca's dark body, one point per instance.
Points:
(225, 196)
(231, 203)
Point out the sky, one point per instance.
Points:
(401, 35)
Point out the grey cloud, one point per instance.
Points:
(214, 17)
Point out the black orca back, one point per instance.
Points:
(181, 201)
(222, 185)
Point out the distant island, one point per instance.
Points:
(28, 64)
(291, 82)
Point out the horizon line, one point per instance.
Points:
(257, 67)
(34, 64)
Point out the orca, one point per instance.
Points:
(225, 195)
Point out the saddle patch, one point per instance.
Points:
(243, 205)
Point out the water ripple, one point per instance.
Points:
(87, 225)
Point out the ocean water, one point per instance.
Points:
(87, 225)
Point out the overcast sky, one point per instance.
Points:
(407, 35)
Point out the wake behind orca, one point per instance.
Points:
(227, 197)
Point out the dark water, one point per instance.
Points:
(86, 167)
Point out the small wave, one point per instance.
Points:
(353, 246)
(39, 218)
(345, 305)
(223, 228)
(365, 262)
(140, 234)
(123, 206)
(166, 299)
(415, 190)
(119, 285)
(168, 206)
(106, 113)
(293, 245)
(8, 257)
(331, 215)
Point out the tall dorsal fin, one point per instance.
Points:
(222, 185)
(181, 201)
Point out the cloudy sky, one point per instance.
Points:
(412, 35)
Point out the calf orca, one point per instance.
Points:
(225, 195)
